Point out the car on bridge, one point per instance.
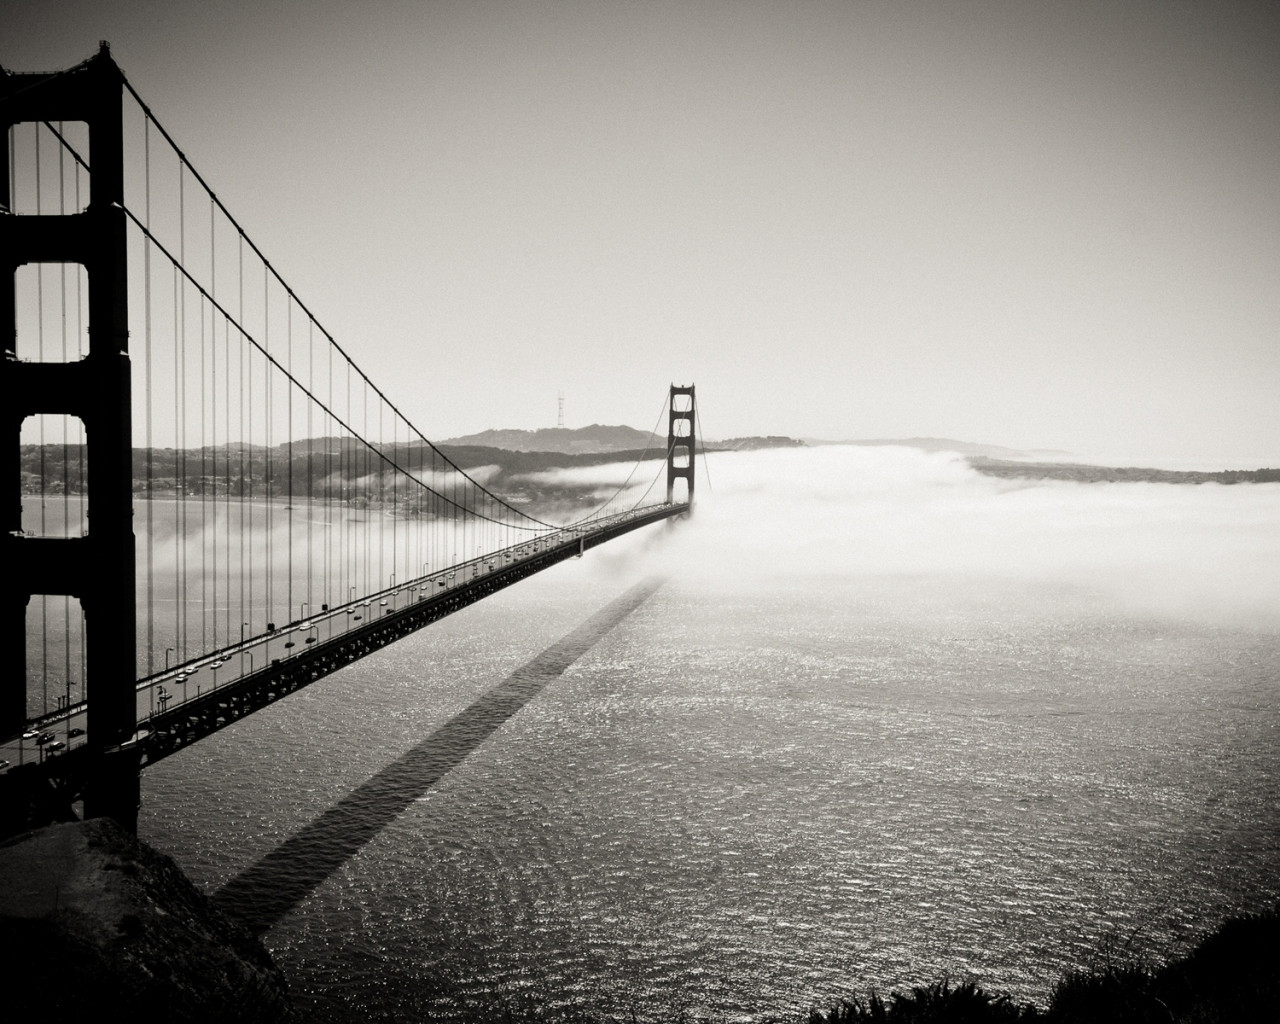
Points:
(55, 746)
(44, 737)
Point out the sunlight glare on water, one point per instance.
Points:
(888, 720)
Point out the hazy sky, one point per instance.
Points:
(1039, 224)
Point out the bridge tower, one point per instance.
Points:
(97, 568)
(681, 440)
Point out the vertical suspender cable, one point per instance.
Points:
(80, 489)
(44, 599)
(311, 386)
(249, 444)
(702, 439)
(270, 454)
(150, 458)
(289, 450)
(328, 492)
(66, 462)
(180, 337)
(209, 537)
(177, 479)
(380, 577)
(226, 463)
(204, 569)
(346, 469)
(364, 430)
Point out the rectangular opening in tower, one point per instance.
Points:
(51, 312)
(53, 460)
(47, 167)
(55, 632)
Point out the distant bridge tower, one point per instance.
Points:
(681, 440)
(98, 568)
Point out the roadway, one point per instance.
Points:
(170, 689)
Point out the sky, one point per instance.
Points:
(1033, 224)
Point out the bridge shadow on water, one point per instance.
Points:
(261, 895)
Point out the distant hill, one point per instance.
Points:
(1080, 473)
(946, 444)
(579, 441)
(753, 443)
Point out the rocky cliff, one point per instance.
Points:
(93, 923)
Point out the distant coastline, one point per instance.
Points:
(1086, 474)
(340, 467)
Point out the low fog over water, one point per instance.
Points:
(1209, 552)
(887, 719)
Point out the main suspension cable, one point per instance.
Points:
(186, 167)
(150, 115)
(371, 448)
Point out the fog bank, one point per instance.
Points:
(1210, 552)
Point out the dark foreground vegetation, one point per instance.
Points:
(1231, 977)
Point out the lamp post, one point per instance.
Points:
(167, 651)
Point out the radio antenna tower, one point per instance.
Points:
(560, 418)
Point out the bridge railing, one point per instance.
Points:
(173, 686)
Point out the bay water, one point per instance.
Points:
(886, 721)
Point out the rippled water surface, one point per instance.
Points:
(755, 795)
(743, 806)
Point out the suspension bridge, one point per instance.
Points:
(260, 515)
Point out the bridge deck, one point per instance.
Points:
(191, 701)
